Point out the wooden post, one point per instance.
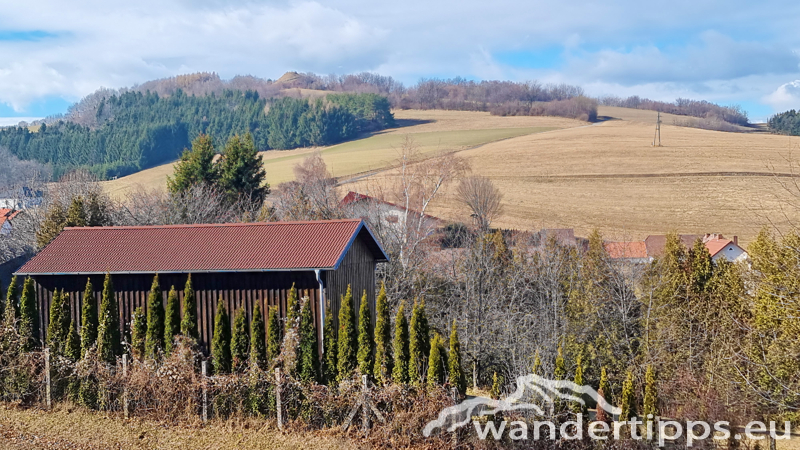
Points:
(278, 403)
(204, 372)
(47, 398)
(125, 404)
(365, 408)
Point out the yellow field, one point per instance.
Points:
(608, 176)
(432, 130)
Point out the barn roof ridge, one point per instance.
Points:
(212, 225)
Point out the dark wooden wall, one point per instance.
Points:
(236, 290)
(356, 270)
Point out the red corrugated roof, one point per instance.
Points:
(626, 249)
(198, 248)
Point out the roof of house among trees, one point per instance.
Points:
(202, 248)
(7, 215)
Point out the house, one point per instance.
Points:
(635, 252)
(22, 198)
(720, 247)
(386, 214)
(237, 264)
(653, 246)
(656, 243)
(6, 216)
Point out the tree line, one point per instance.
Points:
(136, 130)
(785, 123)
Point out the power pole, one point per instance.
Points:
(657, 136)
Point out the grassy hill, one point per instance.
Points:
(605, 175)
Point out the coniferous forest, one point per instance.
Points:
(137, 130)
(786, 123)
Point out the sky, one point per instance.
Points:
(52, 53)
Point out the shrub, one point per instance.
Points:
(28, 316)
(331, 348)
(88, 318)
(258, 340)
(347, 339)
(365, 363)
(383, 339)
(273, 335)
(400, 347)
(138, 333)
(155, 320)
(455, 369)
(418, 344)
(172, 320)
(240, 345)
(309, 352)
(221, 341)
(108, 338)
(189, 320)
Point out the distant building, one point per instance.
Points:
(635, 252)
(653, 246)
(720, 247)
(22, 198)
(6, 215)
(387, 214)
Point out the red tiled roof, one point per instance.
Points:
(200, 248)
(714, 246)
(626, 249)
(7, 214)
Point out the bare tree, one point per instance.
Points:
(312, 196)
(482, 197)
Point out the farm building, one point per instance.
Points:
(239, 264)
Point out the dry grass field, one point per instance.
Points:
(608, 176)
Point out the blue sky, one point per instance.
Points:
(53, 53)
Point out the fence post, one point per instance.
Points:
(47, 396)
(278, 402)
(204, 369)
(365, 408)
(125, 404)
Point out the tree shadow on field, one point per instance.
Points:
(402, 123)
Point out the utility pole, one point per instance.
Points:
(657, 136)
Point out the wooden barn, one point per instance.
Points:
(241, 264)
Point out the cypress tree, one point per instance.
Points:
(348, 341)
(419, 343)
(54, 330)
(560, 371)
(240, 342)
(11, 307)
(309, 347)
(258, 340)
(495, 392)
(155, 321)
(108, 338)
(456, 371)
(28, 316)
(435, 362)
(172, 320)
(221, 341)
(650, 395)
(537, 364)
(88, 318)
(331, 349)
(579, 407)
(400, 347)
(273, 335)
(365, 363)
(383, 339)
(138, 333)
(189, 320)
(292, 310)
(628, 401)
(604, 386)
(72, 348)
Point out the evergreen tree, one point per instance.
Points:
(348, 340)
(88, 318)
(241, 170)
(108, 336)
(292, 310)
(221, 341)
(365, 363)
(628, 400)
(383, 339)
(172, 320)
(400, 347)
(138, 333)
(331, 349)
(2, 301)
(189, 320)
(579, 407)
(28, 316)
(195, 166)
(650, 396)
(495, 392)
(309, 347)
(76, 215)
(456, 371)
(419, 343)
(55, 330)
(273, 335)
(436, 363)
(11, 312)
(560, 371)
(258, 340)
(155, 321)
(97, 211)
(537, 364)
(72, 348)
(54, 221)
(240, 342)
(604, 386)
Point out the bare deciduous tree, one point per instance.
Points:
(312, 196)
(482, 197)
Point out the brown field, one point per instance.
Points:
(608, 176)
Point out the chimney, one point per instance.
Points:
(736, 240)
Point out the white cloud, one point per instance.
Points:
(786, 97)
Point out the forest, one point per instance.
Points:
(133, 130)
(785, 123)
